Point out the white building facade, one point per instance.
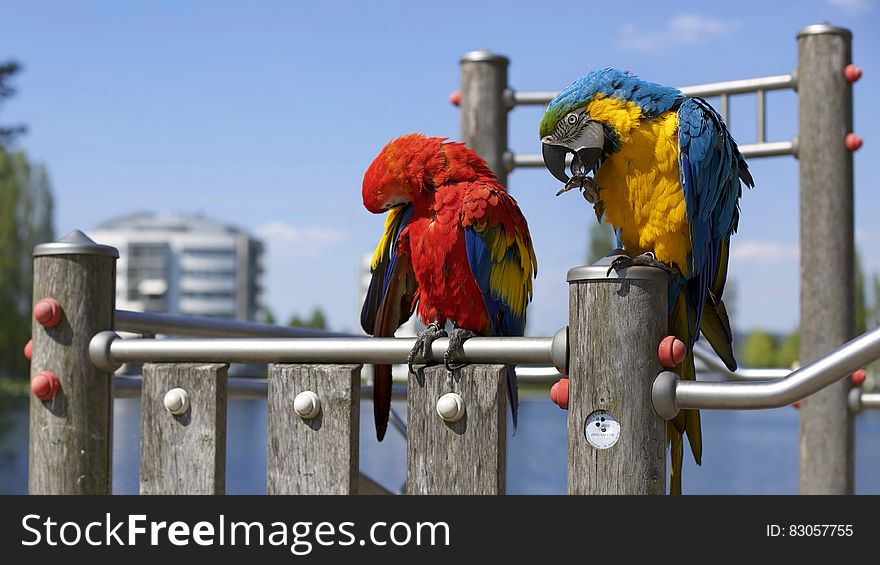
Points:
(185, 264)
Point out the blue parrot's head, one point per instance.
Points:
(591, 116)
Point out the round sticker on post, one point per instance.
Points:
(602, 429)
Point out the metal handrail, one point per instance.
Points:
(671, 395)
(153, 323)
(715, 364)
(108, 351)
(743, 86)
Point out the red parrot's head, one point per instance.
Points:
(403, 172)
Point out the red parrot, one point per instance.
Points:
(456, 248)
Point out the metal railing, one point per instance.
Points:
(108, 351)
(723, 90)
(671, 394)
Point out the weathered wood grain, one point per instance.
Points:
(183, 454)
(614, 330)
(483, 110)
(70, 445)
(826, 256)
(465, 457)
(320, 455)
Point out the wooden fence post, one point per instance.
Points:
(71, 433)
(463, 457)
(616, 442)
(319, 454)
(183, 446)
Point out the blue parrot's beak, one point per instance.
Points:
(587, 148)
(554, 160)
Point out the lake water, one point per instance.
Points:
(743, 452)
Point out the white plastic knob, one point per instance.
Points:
(450, 407)
(307, 405)
(176, 401)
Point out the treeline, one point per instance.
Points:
(26, 219)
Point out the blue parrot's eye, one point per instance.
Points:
(571, 119)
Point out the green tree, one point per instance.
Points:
(7, 71)
(759, 349)
(861, 306)
(790, 350)
(601, 242)
(25, 221)
(318, 320)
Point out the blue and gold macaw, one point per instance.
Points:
(667, 176)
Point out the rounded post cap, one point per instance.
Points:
(824, 28)
(599, 271)
(484, 56)
(75, 243)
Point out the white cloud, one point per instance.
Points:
(284, 238)
(683, 29)
(852, 6)
(764, 251)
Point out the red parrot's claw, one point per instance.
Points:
(424, 339)
(456, 341)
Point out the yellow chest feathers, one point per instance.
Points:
(640, 188)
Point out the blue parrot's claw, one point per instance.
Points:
(424, 339)
(644, 260)
(456, 341)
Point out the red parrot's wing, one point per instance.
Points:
(388, 304)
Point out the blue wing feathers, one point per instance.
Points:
(710, 171)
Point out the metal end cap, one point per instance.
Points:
(99, 351)
(559, 350)
(663, 395)
(854, 399)
(75, 243)
(484, 55)
(599, 271)
(825, 28)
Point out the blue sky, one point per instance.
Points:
(266, 115)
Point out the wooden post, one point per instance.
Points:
(71, 435)
(827, 251)
(484, 107)
(317, 455)
(465, 457)
(184, 452)
(616, 442)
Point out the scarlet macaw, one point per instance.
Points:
(456, 248)
(667, 177)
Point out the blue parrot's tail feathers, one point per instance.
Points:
(681, 324)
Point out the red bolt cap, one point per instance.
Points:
(455, 97)
(796, 405)
(47, 312)
(45, 385)
(29, 349)
(852, 73)
(853, 141)
(671, 352)
(858, 378)
(559, 393)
